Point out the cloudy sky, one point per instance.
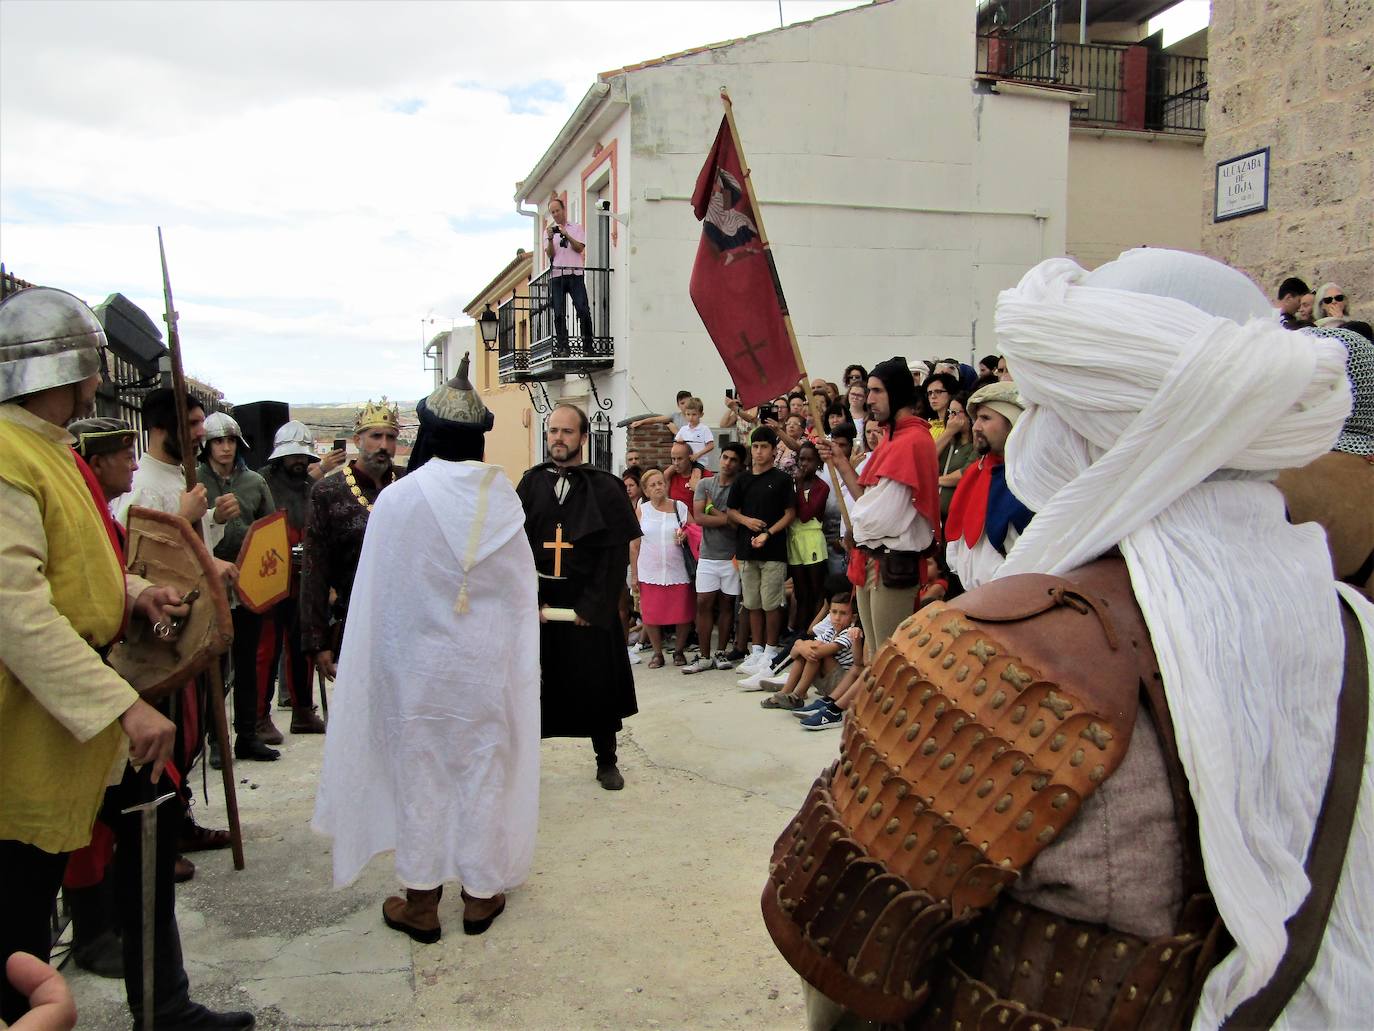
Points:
(327, 175)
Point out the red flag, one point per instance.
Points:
(735, 284)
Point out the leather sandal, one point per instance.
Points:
(656, 662)
(195, 838)
(679, 658)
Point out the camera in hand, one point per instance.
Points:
(767, 411)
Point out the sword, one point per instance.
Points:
(188, 460)
(147, 854)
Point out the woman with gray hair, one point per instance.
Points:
(1330, 308)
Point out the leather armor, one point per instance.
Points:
(981, 729)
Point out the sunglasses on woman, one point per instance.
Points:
(1334, 297)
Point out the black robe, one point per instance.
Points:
(587, 684)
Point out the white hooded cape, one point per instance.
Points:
(433, 742)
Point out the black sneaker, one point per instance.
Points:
(608, 774)
(735, 655)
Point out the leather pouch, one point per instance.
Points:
(900, 570)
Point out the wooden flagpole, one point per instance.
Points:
(817, 412)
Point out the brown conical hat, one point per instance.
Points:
(456, 400)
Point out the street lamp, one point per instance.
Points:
(488, 324)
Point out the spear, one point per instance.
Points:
(188, 466)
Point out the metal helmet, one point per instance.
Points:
(293, 438)
(219, 425)
(48, 338)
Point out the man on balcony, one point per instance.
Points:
(565, 243)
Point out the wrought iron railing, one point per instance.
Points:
(548, 354)
(1128, 87)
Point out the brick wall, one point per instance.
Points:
(654, 444)
(1296, 76)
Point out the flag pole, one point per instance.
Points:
(812, 402)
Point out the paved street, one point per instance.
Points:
(641, 910)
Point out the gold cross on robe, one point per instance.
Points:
(558, 545)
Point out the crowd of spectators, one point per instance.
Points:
(745, 563)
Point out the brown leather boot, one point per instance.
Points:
(417, 914)
(306, 721)
(267, 731)
(479, 914)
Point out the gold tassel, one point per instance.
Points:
(461, 606)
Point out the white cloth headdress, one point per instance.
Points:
(1162, 397)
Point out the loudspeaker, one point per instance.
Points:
(260, 421)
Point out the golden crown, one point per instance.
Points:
(377, 413)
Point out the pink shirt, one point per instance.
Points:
(566, 261)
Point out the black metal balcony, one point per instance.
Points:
(547, 357)
(1129, 86)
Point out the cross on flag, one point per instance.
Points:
(735, 284)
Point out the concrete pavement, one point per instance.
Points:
(641, 910)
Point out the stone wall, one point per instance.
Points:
(1296, 76)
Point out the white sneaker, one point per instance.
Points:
(774, 680)
(755, 682)
(752, 663)
(634, 659)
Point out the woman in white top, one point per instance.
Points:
(666, 597)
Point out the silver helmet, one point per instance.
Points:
(293, 438)
(48, 338)
(219, 425)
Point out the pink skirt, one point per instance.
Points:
(667, 606)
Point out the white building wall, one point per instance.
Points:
(899, 196)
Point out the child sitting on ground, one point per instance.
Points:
(820, 662)
(828, 710)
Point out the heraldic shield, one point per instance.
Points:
(264, 564)
(165, 549)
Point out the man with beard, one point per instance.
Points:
(580, 525)
(288, 475)
(160, 484)
(229, 482)
(896, 513)
(339, 507)
(985, 518)
(70, 725)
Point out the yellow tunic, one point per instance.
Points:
(61, 592)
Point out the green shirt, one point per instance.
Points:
(255, 501)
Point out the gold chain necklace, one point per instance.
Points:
(357, 492)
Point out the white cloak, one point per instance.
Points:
(433, 742)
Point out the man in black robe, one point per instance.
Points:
(580, 524)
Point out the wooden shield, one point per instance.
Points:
(265, 564)
(165, 549)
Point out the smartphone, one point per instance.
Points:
(730, 393)
(340, 444)
(767, 411)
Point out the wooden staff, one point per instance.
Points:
(813, 402)
(188, 467)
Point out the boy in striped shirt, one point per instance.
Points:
(820, 662)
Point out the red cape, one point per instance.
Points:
(968, 508)
(907, 455)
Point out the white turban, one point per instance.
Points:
(1162, 396)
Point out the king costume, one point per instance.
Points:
(1104, 789)
(587, 686)
(433, 743)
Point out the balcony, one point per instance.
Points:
(544, 358)
(1127, 86)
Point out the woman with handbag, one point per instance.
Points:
(661, 558)
(806, 545)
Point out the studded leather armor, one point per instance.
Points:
(981, 729)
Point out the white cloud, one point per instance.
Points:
(325, 173)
